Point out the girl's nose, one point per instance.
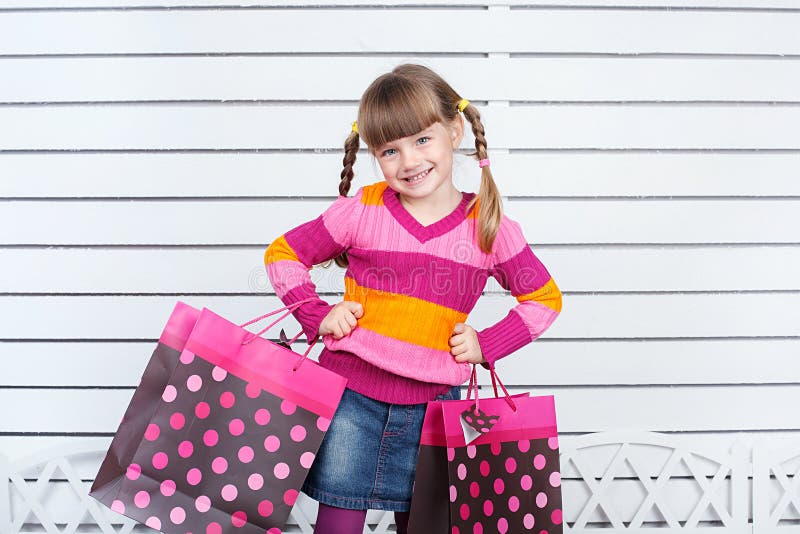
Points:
(411, 161)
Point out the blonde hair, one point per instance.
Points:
(403, 102)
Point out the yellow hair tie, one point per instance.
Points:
(355, 127)
(463, 103)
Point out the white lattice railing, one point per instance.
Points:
(776, 490)
(717, 498)
(615, 482)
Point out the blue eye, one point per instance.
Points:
(386, 152)
(423, 137)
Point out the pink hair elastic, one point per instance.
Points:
(483, 163)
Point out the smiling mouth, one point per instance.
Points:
(417, 177)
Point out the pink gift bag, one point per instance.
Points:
(488, 465)
(231, 438)
(145, 399)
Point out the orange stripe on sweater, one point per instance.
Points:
(372, 195)
(406, 318)
(473, 212)
(548, 294)
(279, 250)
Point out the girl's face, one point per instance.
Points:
(422, 164)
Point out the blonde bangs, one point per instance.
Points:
(393, 109)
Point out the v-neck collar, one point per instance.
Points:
(414, 227)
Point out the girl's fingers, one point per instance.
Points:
(343, 326)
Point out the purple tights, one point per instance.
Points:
(332, 520)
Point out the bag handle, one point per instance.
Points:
(473, 383)
(291, 308)
(304, 357)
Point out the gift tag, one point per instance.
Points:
(284, 341)
(475, 422)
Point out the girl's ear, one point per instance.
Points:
(456, 131)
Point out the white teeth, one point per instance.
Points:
(417, 178)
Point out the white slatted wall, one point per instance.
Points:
(150, 149)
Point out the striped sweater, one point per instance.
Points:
(415, 283)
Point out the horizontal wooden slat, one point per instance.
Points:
(589, 409)
(27, 454)
(560, 79)
(591, 316)
(277, 174)
(682, 496)
(257, 222)
(324, 126)
(540, 31)
(557, 363)
(144, 270)
(517, 4)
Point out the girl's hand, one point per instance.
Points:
(464, 344)
(341, 320)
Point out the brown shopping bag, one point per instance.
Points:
(488, 465)
(145, 399)
(232, 436)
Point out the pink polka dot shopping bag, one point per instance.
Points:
(220, 434)
(488, 465)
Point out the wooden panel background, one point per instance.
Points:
(150, 150)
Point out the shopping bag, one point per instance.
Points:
(488, 465)
(234, 432)
(145, 399)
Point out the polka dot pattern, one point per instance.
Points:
(505, 487)
(168, 488)
(219, 455)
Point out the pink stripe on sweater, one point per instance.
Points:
(384, 232)
(509, 241)
(536, 316)
(340, 218)
(416, 362)
(286, 275)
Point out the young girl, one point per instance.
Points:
(418, 253)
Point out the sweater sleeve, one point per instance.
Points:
(290, 257)
(518, 270)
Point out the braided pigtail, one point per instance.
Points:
(350, 151)
(490, 205)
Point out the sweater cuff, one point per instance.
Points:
(309, 314)
(503, 338)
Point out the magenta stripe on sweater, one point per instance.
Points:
(522, 273)
(438, 280)
(310, 314)
(312, 242)
(378, 383)
(504, 337)
(414, 227)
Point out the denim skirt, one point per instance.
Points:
(368, 458)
